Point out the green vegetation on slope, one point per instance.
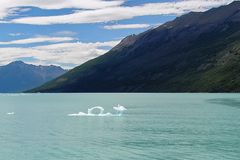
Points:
(198, 52)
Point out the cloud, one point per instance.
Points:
(15, 34)
(127, 26)
(65, 33)
(39, 39)
(6, 7)
(120, 12)
(64, 54)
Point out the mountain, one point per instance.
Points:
(197, 52)
(19, 76)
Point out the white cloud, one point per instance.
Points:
(59, 54)
(15, 34)
(65, 33)
(126, 26)
(39, 39)
(119, 12)
(8, 6)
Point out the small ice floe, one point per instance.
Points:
(10, 113)
(120, 109)
(90, 112)
(77, 114)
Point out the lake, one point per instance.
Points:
(155, 126)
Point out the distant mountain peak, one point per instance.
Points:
(17, 63)
(127, 41)
(18, 76)
(21, 63)
(237, 2)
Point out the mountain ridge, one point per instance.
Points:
(183, 55)
(18, 76)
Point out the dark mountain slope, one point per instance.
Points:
(18, 76)
(197, 52)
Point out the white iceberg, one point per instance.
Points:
(120, 109)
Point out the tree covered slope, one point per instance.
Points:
(197, 52)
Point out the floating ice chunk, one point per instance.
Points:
(120, 109)
(78, 114)
(10, 113)
(106, 114)
(101, 109)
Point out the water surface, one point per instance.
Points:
(155, 126)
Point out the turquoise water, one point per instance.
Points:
(155, 126)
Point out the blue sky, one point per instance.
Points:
(70, 32)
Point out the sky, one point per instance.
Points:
(68, 33)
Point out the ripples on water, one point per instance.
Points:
(155, 126)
